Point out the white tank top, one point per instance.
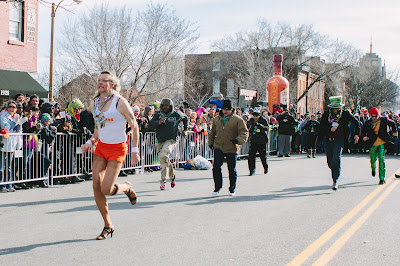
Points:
(113, 131)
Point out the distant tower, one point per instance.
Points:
(370, 46)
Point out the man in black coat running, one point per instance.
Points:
(334, 127)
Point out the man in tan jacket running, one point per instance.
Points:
(227, 134)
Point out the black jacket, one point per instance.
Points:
(383, 133)
(258, 131)
(312, 127)
(48, 137)
(86, 121)
(286, 124)
(344, 121)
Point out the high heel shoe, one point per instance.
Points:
(107, 231)
(131, 194)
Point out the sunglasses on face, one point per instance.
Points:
(374, 116)
(103, 80)
(12, 106)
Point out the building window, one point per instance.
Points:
(216, 65)
(230, 85)
(16, 21)
(216, 86)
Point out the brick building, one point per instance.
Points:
(208, 75)
(314, 101)
(18, 48)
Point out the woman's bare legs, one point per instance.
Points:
(104, 176)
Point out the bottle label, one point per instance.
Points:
(285, 96)
(277, 68)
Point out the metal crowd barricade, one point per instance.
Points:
(24, 158)
(272, 140)
(128, 160)
(192, 145)
(67, 158)
(148, 150)
(34, 160)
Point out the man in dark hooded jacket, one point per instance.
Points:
(166, 122)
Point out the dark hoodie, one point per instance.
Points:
(169, 129)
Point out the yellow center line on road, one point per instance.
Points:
(317, 244)
(338, 245)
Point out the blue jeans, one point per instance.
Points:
(333, 149)
(217, 173)
(7, 168)
(320, 145)
(397, 145)
(304, 141)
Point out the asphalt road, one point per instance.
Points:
(289, 215)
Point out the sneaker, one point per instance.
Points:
(373, 173)
(251, 173)
(11, 189)
(287, 155)
(335, 186)
(394, 153)
(162, 185)
(397, 176)
(381, 182)
(232, 193)
(215, 193)
(173, 182)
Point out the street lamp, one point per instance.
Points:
(54, 8)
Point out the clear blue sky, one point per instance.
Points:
(353, 21)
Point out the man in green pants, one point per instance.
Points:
(375, 134)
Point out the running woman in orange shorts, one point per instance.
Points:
(111, 112)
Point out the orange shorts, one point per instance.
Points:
(112, 152)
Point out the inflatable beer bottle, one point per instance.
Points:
(278, 86)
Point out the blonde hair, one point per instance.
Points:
(114, 79)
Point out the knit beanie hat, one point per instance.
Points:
(227, 105)
(135, 108)
(45, 117)
(374, 111)
(166, 101)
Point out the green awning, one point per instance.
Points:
(20, 82)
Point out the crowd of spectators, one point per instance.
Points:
(27, 156)
(29, 114)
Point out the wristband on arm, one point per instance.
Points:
(89, 142)
(135, 149)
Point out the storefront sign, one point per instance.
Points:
(4, 92)
(31, 24)
(249, 93)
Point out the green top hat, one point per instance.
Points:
(336, 102)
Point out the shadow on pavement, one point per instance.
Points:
(77, 199)
(15, 250)
(293, 192)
